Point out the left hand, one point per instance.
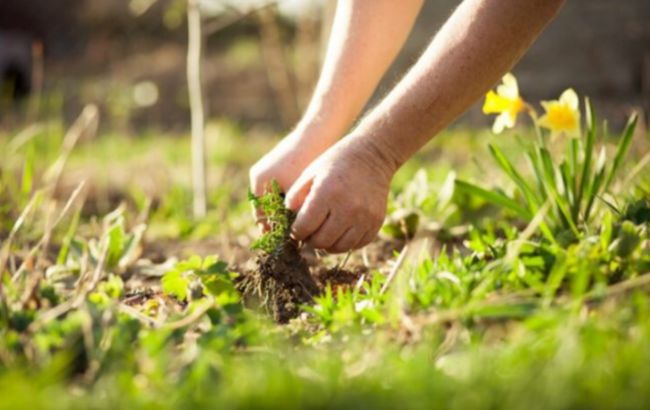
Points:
(341, 197)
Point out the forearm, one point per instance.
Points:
(477, 45)
(366, 37)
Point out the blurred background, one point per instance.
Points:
(261, 59)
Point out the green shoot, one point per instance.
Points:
(277, 217)
(571, 185)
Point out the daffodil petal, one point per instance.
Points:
(495, 104)
(502, 121)
(546, 105)
(509, 88)
(570, 98)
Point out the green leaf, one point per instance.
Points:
(552, 187)
(556, 276)
(588, 155)
(494, 197)
(512, 172)
(548, 169)
(174, 283)
(606, 230)
(621, 149)
(116, 242)
(68, 238)
(597, 183)
(567, 183)
(534, 163)
(217, 285)
(216, 268)
(627, 241)
(278, 217)
(28, 174)
(193, 263)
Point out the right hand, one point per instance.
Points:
(340, 199)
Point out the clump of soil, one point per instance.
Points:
(281, 283)
(338, 278)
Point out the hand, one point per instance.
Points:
(284, 163)
(341, 197)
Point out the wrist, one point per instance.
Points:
(315, 135)
(327, 119)
(374, 152)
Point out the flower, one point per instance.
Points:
(562, 115)
(505, 102)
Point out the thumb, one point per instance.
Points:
(297, 193)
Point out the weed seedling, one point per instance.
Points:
(282, 281)
(278, 218)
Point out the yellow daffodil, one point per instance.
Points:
(505, 102)
(562, 115)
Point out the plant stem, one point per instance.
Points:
(196, 107)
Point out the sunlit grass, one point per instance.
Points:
(480, 309)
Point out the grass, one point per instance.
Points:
(475, 296)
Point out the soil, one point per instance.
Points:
(283, 282)
(339, 278)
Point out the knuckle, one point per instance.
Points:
(371, 237)
(360, 244)
(365, 241)
(376, 218)
(318, 243)
(331, 190)
(298, 230)
(321, 241)
(338, 248)
(356, 206)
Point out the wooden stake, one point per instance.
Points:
(196, 107)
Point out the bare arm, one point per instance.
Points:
(366, 37)
(480, 42)
(341, 197)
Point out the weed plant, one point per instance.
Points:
(543, 305)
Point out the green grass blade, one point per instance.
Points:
(552, 188)
(548, 169)
(494, 197)
(567, 182)
(574, 165)
(594, 189)
(516, 177)
(588, 155)
(621, 149)
(534, 163)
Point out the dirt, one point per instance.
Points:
(283, 282)
(337, 277)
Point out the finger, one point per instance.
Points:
(359, 243)
(263, 223)
(310, 218)
(367, 238)
(256, 186)
(347, 241)
(298, 193)
(327, 235)
(260, 218)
